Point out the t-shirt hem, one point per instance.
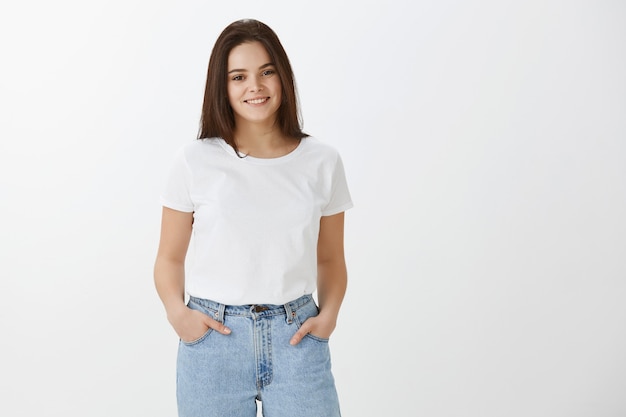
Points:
(337, 210)
(247, 300)
(174, 206)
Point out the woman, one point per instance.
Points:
(264, 202)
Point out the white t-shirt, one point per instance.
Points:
(256, 221)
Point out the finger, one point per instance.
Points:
(297, 337)
(217, 326)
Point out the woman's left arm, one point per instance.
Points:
(332, 279)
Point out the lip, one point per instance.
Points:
(264, 98)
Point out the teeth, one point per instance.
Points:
(257, 101)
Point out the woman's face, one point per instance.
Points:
(254, 88)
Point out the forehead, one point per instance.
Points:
(249, 55)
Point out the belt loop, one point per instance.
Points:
(220, 313)
(290, 313)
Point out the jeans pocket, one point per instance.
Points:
(304, 313)
(195, 306)
(317, 338)
(198, 340)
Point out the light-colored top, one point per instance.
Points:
(256, 221)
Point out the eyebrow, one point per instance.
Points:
(269, 64)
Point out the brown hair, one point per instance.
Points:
(217, 119)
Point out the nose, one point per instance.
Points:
(255, 85)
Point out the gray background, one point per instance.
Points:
(485, 146)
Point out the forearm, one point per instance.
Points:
(169, 279)
(332, 279)
(331, 287)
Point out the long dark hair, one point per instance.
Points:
(217, 118)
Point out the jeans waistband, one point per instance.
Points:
(258, 310)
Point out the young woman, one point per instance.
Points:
(264, 202)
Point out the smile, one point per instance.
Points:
(257, 100)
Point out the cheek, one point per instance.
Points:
(279, 91)
(232, 94)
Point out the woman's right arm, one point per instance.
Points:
(169, 277)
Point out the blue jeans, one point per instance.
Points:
(223, 375)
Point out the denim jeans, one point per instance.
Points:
(223, 375)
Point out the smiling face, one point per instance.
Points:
(254, 88)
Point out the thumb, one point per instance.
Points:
(297, 337)
(217, 326)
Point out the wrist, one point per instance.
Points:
(175, 311)
(328, 315)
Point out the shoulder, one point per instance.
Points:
(200, 145)
(199, 149)
(314, 146)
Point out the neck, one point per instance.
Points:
(263, 141)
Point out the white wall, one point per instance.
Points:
(485, 145)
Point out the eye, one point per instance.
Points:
(237, 78)
(268, 72)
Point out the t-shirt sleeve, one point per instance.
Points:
(177, 191)
(340, 199)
